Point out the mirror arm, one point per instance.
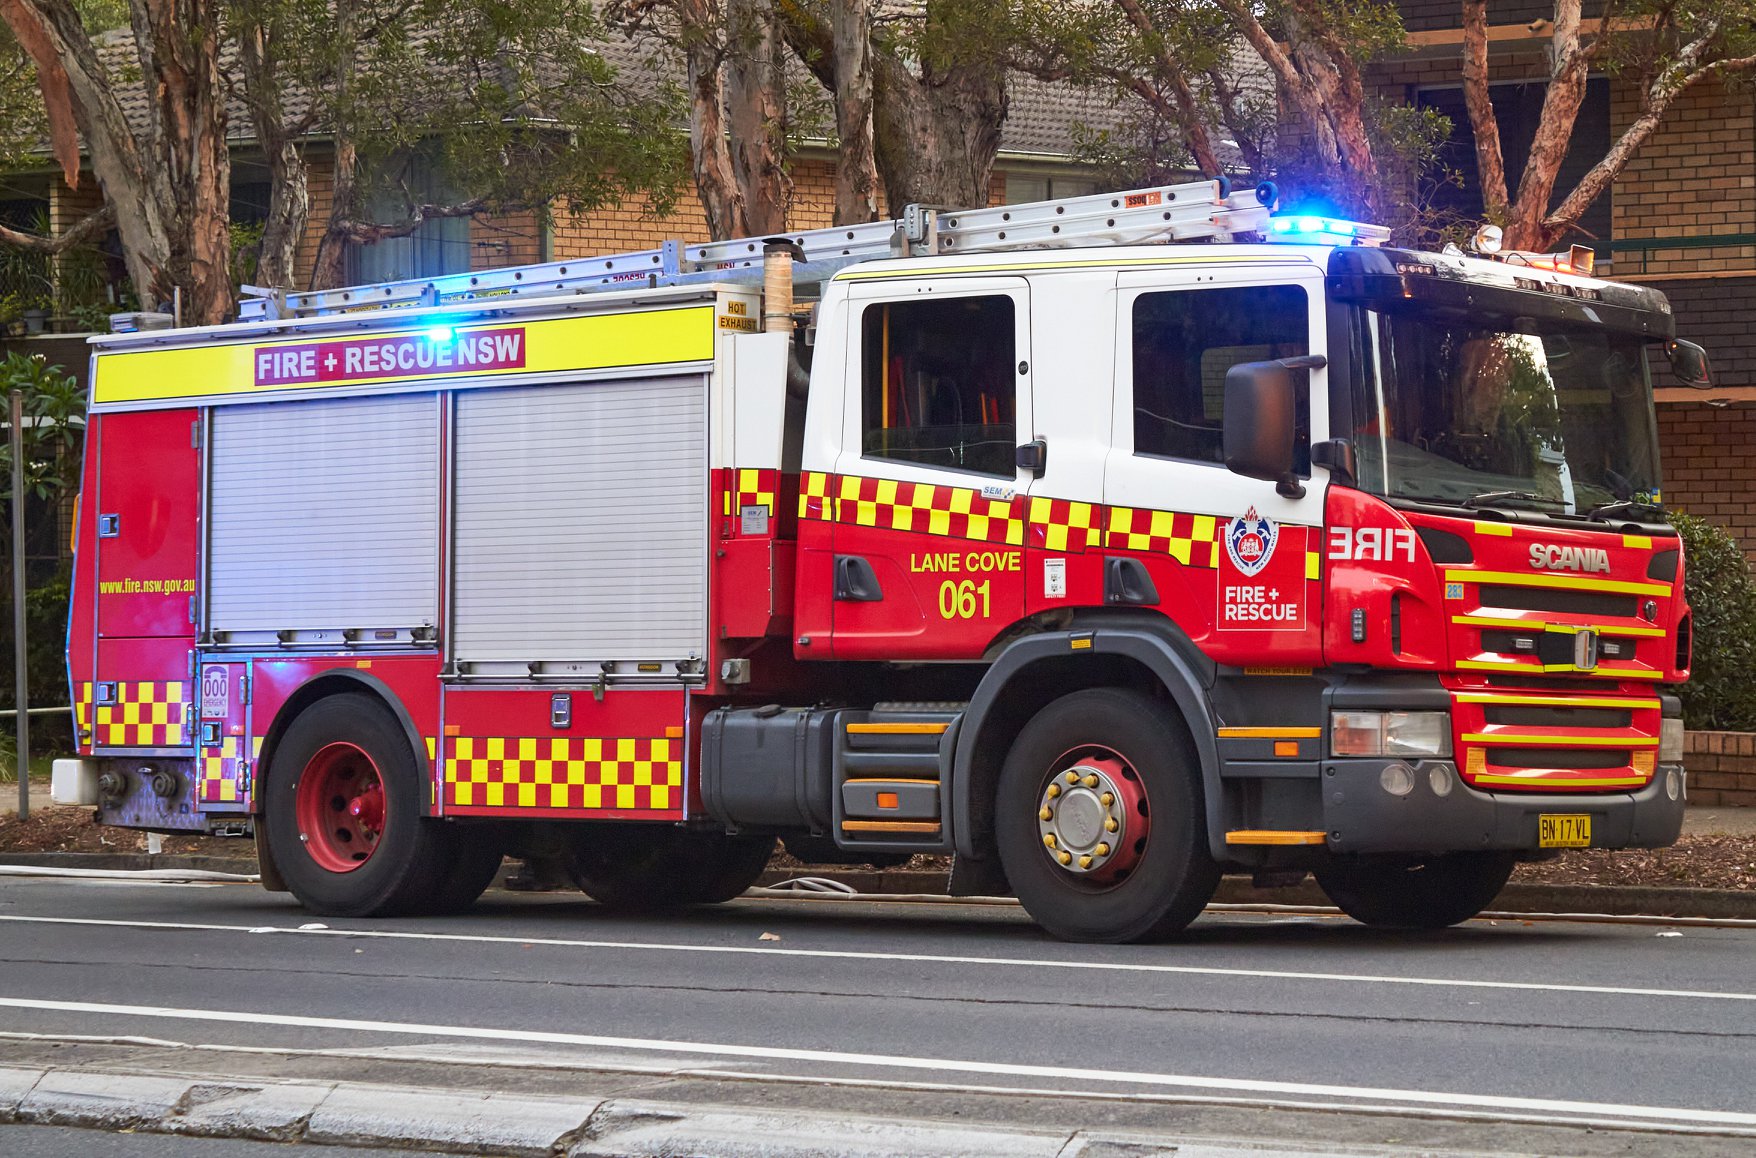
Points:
(1337, 455)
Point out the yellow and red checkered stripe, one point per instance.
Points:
(752, 488)
(145, 714)
(1191, 540)
(1064, 525)
(955, 512)
(219, 772)
(620, 773)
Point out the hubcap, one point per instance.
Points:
(340, 807)
(1093, 817)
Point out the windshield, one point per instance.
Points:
(1498, 411)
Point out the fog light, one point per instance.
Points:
(1670, 740)
(1397, 779)
(1673, 784)
(1440, 780)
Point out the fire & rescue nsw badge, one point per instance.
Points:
(1250, 541)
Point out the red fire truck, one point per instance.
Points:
(1102, 565)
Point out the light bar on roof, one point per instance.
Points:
(1305, 229)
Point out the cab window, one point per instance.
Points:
(937, 383)
(1186, 340)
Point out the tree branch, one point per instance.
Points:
(1187, 113)
(1490, 160)
(91, 225)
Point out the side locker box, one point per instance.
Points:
(769, 769)
(225, 763)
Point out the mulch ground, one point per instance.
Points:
(1696, 862)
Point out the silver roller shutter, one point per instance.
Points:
(324, 517)
(581, 530)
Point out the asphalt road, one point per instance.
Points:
(1520, 1022)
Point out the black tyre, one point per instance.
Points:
(477, 852)
(1431, 894)
(649, 867)
(1099, 819)
(344, 814)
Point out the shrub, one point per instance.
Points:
(1721, 693)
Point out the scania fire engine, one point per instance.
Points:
(1104, 545)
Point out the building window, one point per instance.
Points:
(438, 247)
(1022, 187)
(1518, 107)
(938, 384)
(1186, 340)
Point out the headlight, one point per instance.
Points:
(1390, 733)
(1670, 741)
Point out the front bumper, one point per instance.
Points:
(1359, 816)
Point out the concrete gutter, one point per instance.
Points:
(1613, 900)
(478, 1122)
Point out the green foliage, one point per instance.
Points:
(45, 610)
(1721, 692)
(52, 443)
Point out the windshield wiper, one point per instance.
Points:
(1608, 511)
(1486, 498)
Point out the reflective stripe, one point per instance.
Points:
(1565, 582)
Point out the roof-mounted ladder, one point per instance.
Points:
(1193, 211)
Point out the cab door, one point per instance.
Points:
(1234, 560)
(929, 498)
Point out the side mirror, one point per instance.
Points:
(1261, 415)
(1689, 363)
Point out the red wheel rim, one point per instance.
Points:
(1093, 817)
(341, 808)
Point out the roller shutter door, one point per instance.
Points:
(581, 523)
(324, 516)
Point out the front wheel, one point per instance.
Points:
(1099, 819)
(1430, 894)
(344, 818)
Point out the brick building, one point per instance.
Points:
(1682, 218)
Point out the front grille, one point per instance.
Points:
(1572, 758)
(1592, 603)
(1546, 683)
(1531, 716)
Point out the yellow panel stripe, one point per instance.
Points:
(1272, 836)
(1596, 673)
(1270, 733)
(1562, 741)
(1557, 782)
(1502, 529)
(1554, 701)
(1535, 624)
(898, 729)
(1565, 582)
(887, 780)
(601, 341)
(1638, 542)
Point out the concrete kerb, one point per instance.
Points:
(467, 1122)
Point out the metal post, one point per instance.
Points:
(19, 645)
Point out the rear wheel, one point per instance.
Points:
(1099, 819)
(344, 819)
(1430, 894)
(649, 867)
(479, 849)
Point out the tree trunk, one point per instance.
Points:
(711, 157)
(856, 170)
(1490, 161)
(329, 268)
(1566, 92)
(1186, 112)
(755, 92)
(289, 192)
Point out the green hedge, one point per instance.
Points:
(1721, 692)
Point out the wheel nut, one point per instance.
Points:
(1102, 850)
(1085, 862)
(1107, 799)
(1054, 791)
(1064, 857)
(1049, 839)
(1072, 777)
(1110, 825)
(1046, 814)
(1091, 781)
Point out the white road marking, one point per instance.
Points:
(922, 958)
(1057, 1073)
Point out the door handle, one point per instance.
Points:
(1127, 581)
(855, 581)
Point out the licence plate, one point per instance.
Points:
(1563, 830)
